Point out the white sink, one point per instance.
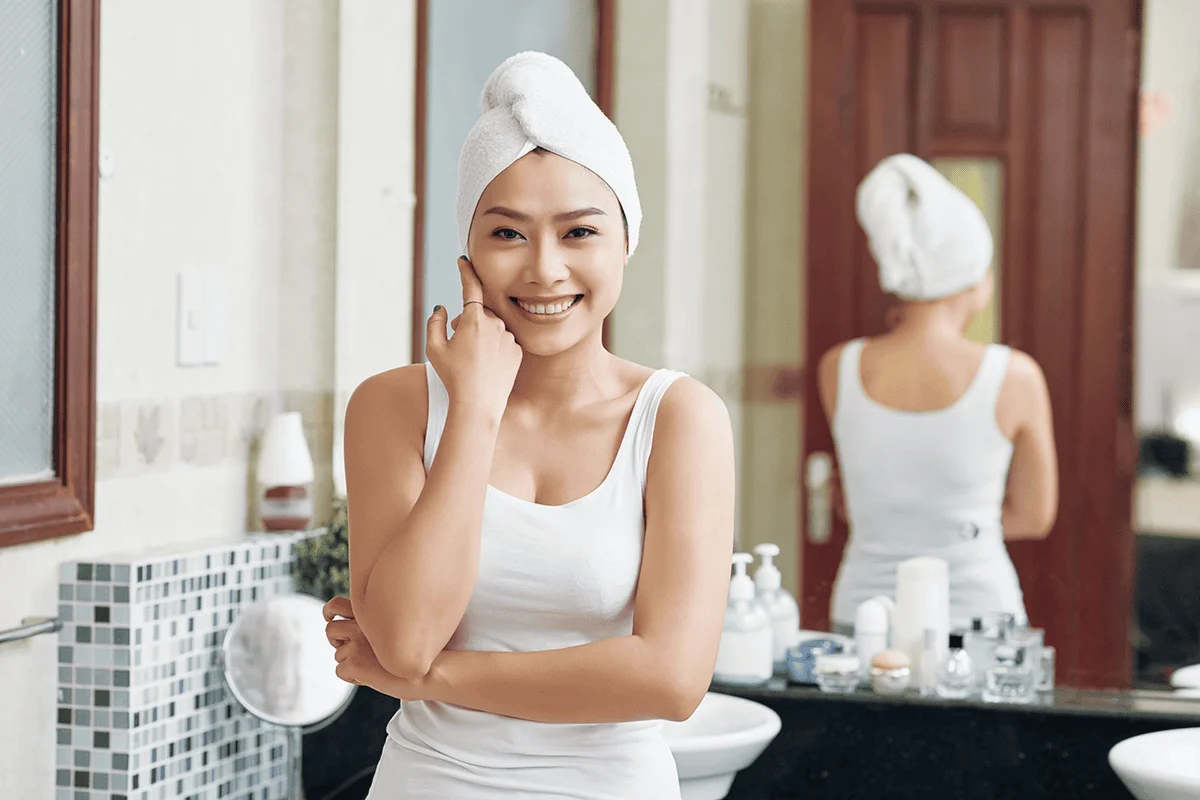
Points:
(1164, 765)
(725, 734)
(1186, 677)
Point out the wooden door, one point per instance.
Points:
(1043, 92)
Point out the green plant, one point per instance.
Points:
(323, 562)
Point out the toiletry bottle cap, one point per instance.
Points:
(741, 587)
(767, 577)
(956, 641)
(977, 625)
(871, 618)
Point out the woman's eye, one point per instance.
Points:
(507, 233)
(581, 233)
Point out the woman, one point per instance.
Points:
(945, 446)
(541, 532)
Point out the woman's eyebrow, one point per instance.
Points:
(503, 211)
(590, 211)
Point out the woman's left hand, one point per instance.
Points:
(356, 661)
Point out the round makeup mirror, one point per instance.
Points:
(278, 664)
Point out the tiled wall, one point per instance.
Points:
(142, 709)
(137, 437)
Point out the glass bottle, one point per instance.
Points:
(1011, 679)
(956, 679)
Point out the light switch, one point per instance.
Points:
(190, 323)
(215, 305)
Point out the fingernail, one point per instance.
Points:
(462, 258)
(437, 309)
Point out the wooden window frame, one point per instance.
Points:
(65, 504)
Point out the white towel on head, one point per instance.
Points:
(534, 100)
(929, 239)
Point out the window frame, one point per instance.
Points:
(65, 504)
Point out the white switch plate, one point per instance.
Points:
(190, 321)
(215, 305)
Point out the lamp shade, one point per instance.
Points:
(285, 459)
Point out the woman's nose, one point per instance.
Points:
(548, 265)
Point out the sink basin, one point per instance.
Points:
(1164, 765)
(724, 735)
(1186, 677)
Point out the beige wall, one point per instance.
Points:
(681, 94)
(220, 122)
(1168, 226)
(774, 256)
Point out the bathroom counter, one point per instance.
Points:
(1078, 702)
(868, 746)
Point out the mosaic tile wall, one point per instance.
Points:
(143, 712)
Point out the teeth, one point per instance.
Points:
(543, 308)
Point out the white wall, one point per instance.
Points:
(220, 120)
(681, 85)
(1168, 217)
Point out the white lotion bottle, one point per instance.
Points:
(872, 623)
(781, 606)
(745, 654)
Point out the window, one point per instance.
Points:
(48, 98)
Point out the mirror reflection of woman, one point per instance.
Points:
(540, 532)
(945, 446)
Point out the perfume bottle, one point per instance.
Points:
(956, 680)
(930, 664)
(980, 644)
(1011, 679)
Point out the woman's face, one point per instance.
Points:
(548, 243)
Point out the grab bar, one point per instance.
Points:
(31, 626)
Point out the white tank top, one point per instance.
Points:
(549, 577)
(925, 483)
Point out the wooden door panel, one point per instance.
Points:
(884, 56)
(1044, 312)
(1048, 89)
(971, 101)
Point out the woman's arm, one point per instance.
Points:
(827, 389)
(1031, 496)
(414, 540)
(664, 668)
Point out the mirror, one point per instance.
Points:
(1096, 270)
(277, 664)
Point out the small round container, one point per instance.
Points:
(837, 673)
(890, 672)
(802, 657)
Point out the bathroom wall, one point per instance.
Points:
(1169, 159)
(680, 100)
(775, 219)
(220, 120)
(1168, 222)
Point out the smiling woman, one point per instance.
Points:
(540, 558)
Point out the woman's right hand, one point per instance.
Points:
(479, 364)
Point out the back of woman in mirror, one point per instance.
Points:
(944, 445)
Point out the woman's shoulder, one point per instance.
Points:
(687, 404)
(392, 394)
(1024, 374)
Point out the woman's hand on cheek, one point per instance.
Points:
(479, 364)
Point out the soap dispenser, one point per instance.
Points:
(745, 654)
(781, 606)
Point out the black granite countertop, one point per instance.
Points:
(1161, 705)
(865, 745)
